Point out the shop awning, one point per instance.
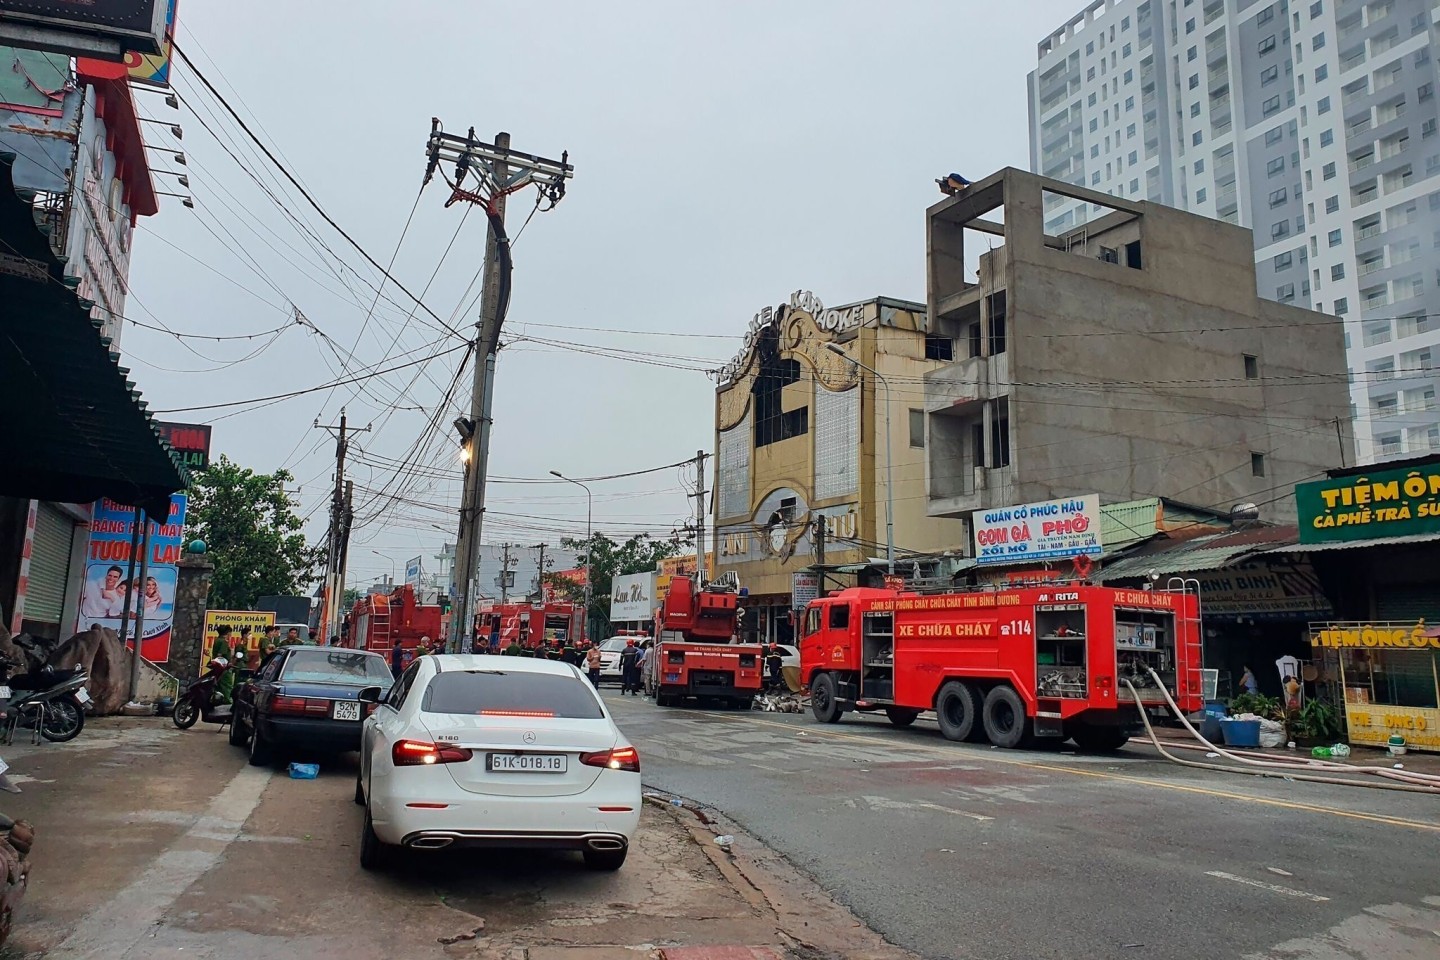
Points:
(1357, 544)
(1166, 558)
(75, 429)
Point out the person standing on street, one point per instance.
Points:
(1247, 681)
(592, 665)
(646, 652)
(397, 661)
(774, 660)
(270, 642)
(630, 669)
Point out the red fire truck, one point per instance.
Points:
(1004, 665)
(529, 624)
(382, 621)
(695, 654)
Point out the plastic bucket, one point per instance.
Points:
(1240, 733)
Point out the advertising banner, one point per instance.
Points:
(804, 587)
(1269, 591)
(107, 557)
(1381, 503)
(190, 440)
(256, 620)
(413, 572)
(632, 597)
(1052, 530)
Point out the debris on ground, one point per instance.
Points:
(780, 703)
(304, 771)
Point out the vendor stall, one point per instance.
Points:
(1390, 677)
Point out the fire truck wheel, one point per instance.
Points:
(822, 699)
(955, 707)
(1004, 714)
(900, 716)
(1099, 739)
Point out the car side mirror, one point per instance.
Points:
(371, 695)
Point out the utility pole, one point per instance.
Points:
(347, 520)
(540, 571)
(505, 575)
(699, 518)
(339, 536)
(500, 172)
(819, 534)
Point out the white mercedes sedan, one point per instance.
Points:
(485, 751)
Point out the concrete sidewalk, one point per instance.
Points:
(1428, 763)
(156, 843)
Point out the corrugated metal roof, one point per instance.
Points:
(1357, 544)
(1167, 557)
(1122, 524)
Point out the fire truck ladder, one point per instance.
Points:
(1193, 635)
(380, 639)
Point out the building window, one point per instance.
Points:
(1327, 137)
(1200, 195)
(995, 311)
(1194, 109)
(1194, 80)
(1257, 464)
(938, 347)
(1332, 204)
(1323, 105)
(1199, 166)
(1328, 171)
(1342, 306)
(1269, 75)
(1191, 54)
(1280, 229)
(772, 422)
(917, 428)
(1270, 106)
(976, 338)
(1317, 42)
(1274, 136)
(1285, 292)
(1337, 271)
(1265, 16)
(1190, 25)
(1197, 138)
(1130, 105)
(1130, 132)
(1277, 197)
(1252, 367)
(1282, 261)
(1000, 432)
(1315, 9)
(1267, 45)
(1322, 73)
(1334, 238)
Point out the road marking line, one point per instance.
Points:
(885, 803)
(111, 929)
(1181, 787)
(1272, 887)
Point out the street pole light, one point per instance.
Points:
(392, 564)
(589, 547)
(889, 464)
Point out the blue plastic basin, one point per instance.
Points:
(1240, 733)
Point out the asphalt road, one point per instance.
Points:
(956, 850)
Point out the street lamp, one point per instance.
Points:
(889, 474)
(392, 564)
(589, 547)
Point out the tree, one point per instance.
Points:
(608, 560)
(252, 535)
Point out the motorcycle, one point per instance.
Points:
(48, 700)
(16, 839)
(199, 701)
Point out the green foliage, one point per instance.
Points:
(1269, 708)
(1318, 720)
(608, 560)
(252, 533)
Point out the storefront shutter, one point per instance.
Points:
(1406, 603)
(49, 565)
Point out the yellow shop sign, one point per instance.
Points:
(1376, 636)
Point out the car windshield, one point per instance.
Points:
(613, 645)
(499, 693)
(336, 666)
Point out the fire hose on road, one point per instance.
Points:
(1287, 768)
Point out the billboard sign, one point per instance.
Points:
(632, 597)
(153, 69)
(1052, 530)
(100, 28)
(804, 587)
(412, 572)
(190, 440)
(107, 559)
(256, 620)
(1381, 503)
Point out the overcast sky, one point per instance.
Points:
(725, 155)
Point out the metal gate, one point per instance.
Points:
(50, 553)
(1407, 603)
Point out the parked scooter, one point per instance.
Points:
(48, 700)
(16, 839)
(199, 701)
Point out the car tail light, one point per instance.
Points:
(416, 753)
(620, 758)
(517, 713)
(299, 705)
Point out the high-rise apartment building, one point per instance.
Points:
(1311, 122)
